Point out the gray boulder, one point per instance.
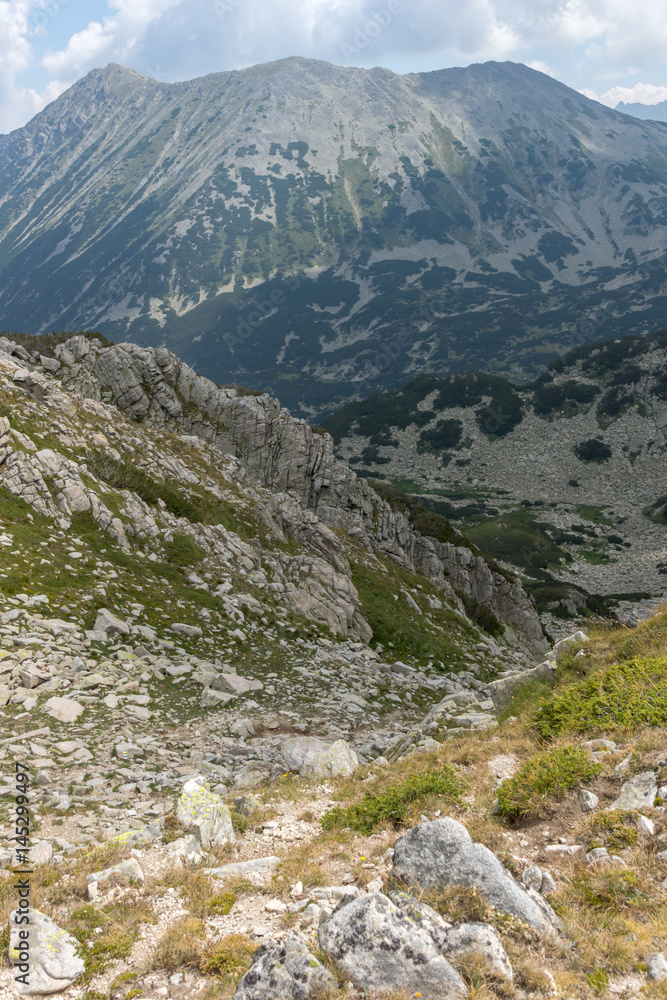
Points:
(503, 690)
(638, 793)
(478, 941)
(458, 942)
(129, 869)
(312, 758)
(657, 967)
(204, 814)
(110, 624)
(382, 949)
(44, 956)
(441, 853)
(285, 970)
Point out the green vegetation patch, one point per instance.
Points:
(436, 633)
(593, 450)
(183, 551)
(625, 696)
(108, 933)
(395, 804)
(566, 396)
(122, 476)
(614, 829)
(542, 778)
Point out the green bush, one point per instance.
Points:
(623, 697)
(545, 776)
(377, 809)
(593, 450)
(121, 476)
(183, 551)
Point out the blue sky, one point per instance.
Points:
(611, 50)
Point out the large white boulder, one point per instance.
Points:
(313, 758)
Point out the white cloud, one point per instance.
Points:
(115, 39)
(542, 67)
(641, 93)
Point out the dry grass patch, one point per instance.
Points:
(181, 946)
(197, 891)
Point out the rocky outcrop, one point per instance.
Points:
(381, 949)
(285, 970)
(294, 461)
(442, 853)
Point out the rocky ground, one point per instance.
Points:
(213, 639)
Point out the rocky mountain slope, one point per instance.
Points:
(468, 867)
(321, 232)
(216, 537)
(562, 478)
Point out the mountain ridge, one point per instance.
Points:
(403, 223)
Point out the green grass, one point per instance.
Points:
(614, 829)
(433, 634)
(595, 558)
(622, 697)
(395, 804)
(543, 778)
(108, 933)
(594, 514)
(183, 551)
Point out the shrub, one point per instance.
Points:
(393, 805)
(626, 696)
(122, 476)
(183, 551)
(614, 829)
(446, 434)
(543, 777)
(181, 945)
(230, 957)
(482, 615)
(593, 450)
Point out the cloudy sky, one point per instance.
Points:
(611, 50)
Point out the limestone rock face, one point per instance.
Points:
(313, 492)
(285, 970)
(312, 758)
(381, 949)
(205, 815)
(442, 853)
(53, 963)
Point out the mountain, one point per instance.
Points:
(562, 478)
(251, 702)
(321, 232)
(647, 112)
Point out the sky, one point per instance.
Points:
(610, 50)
